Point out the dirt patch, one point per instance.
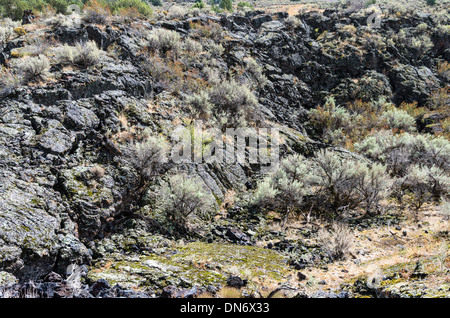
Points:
(380, 248)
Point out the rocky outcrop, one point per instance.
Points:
(413, 83)
(56, 211)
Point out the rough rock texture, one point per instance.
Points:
(54, 212)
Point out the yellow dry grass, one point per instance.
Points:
(386, 247)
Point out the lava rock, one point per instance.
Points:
(236, 281)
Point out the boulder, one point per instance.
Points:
(369, 87)
(70, 36)
(80, 118)
(30, 217)
(57, 140)
(272, 26)
(413, 83)
(102, 39)
(258, 20)
(236, 282)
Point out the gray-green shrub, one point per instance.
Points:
(423, 184)
(83, 55)
(284, 189)
(147, 157)
(9, 80)
(34, 68)
(329, 121)
(328, 184)
(181, 197)
(192, 46)
(255, 71)
(164, 40)
(6, 34)
(337, 182)
(199, 105)
(399, 151)
(234, 104)
(374, 185)
(399, 119)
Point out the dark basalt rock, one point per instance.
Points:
(258, 20)
(52, 136)
(102, 39)
(413, 83)
(70, 36)
(236, 281)
(233, 235)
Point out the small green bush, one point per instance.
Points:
(199, 4)
(33, 69)
(156, 3)
(82, 54)
(61, 5)
(399, 119)
(328, 121)
(141, 6)
(234, 104)
(226, 5)
(14, 8)
(243, 4)
(181, 198)
(215, 8)
(283, 190)
(164, 40)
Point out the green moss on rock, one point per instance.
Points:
(187, 265)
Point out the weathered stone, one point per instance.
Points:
(257, 21)
(413, 83)
(57, 140)
(236, 281)
(272, 26)
(80, 118)
(70, 36)
(29, 245)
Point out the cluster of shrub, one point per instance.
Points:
(413, 166)
(412, 169)
(227, 100)
(344, 125)
(15, 8)
(409, 169)
(33, 63)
